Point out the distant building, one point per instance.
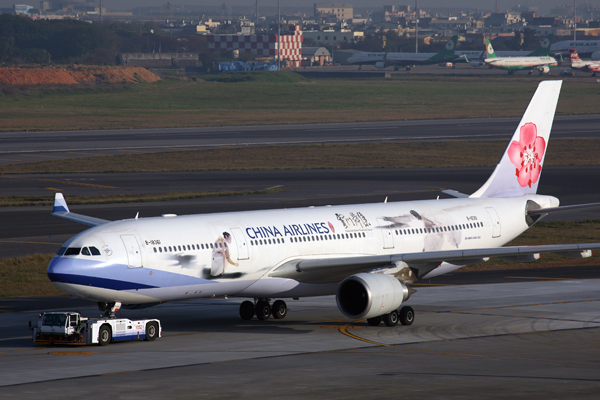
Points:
(21, 9)
(340, 11)
(263, 45)
(315, 56)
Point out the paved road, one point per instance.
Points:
(536, 339)
(27, 230)
(19, 147)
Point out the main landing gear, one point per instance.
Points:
(262, 309)
(406, 316)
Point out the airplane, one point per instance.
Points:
(584, 66)
(383, 60)
(476, 57)
(586, 48)
(367, 255)
(541, 63)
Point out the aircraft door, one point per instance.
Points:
(241, 243)
(386, 232)
(134, 255)
(495, 222)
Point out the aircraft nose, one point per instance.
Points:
(59, 268)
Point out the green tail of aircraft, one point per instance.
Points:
(448, 52)
(544, 47)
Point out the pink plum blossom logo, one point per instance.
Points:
(527, 154)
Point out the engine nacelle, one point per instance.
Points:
(595, 56)
(380, 65)
(477, 64)
(370, 295)
(544, 70)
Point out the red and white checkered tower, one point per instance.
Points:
(264, 45)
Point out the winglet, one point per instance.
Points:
(60, 204)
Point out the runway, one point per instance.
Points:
(21, 147)
(534, 339)
(28, 230)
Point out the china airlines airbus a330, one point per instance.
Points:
(368, 255)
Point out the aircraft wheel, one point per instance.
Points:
(247, 310)
(407, 315)
(263, 311)
(391, 319)
(279, 309)
(151, 331)
(375, 321)
(104, 335)
(593, 74)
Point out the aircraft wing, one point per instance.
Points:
(61, 210)
(336, 269)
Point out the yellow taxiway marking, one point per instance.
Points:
(27, 242)
(89, 154)
(537, 277)
(37, 155)
(56, 190)
(63, 182)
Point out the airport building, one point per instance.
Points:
(264, 45)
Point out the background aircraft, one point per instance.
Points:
(586, 48)
(584, 66)
(384, 60)
(476, 57)
(541, 63)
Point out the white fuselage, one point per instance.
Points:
(152, 260)
(521, 62)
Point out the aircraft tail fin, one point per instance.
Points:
(574, 56)
(489, 50)
(448, 52)
(520, 167)
(544, 47)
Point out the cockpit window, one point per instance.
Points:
(94, 251)
(73, 251)
(85, 251)
(61, 251)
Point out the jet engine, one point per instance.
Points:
(380, 65)
(476, 64)
(544, 70)
(370, 295)
(595, 56)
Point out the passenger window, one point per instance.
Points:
(179, 247)
(170, 248)
(211, 246)
(156, 251)
(160, 249)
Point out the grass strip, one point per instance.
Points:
(327, 156)
(173, 103)
(22, 201)
(26, 276)
(561, 232)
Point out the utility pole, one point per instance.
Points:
(278, 36)
(416, 27)
(574, 20)
(256, 22)
(100, 11)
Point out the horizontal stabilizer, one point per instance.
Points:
(61, 210)
(454, 193)
(546, 211)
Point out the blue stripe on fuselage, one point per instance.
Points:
(97, 282)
